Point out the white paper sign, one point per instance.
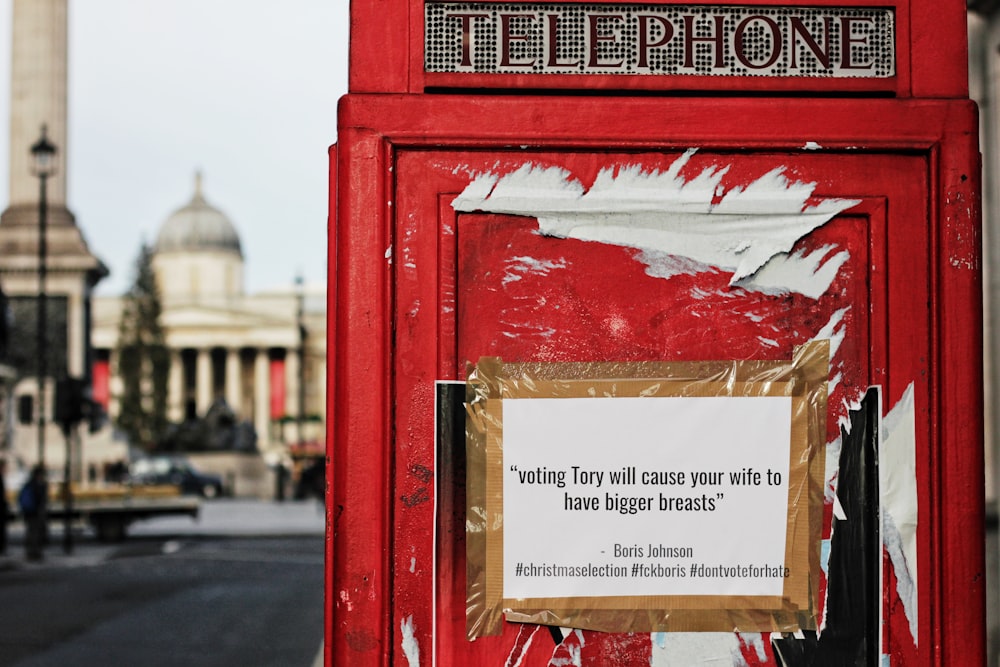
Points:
(645, 496)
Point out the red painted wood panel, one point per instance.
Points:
(420, 290)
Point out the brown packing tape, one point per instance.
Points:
(804, 379)
(483, 617)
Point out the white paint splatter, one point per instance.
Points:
(898, 486)
(409, 642)
(811, 146)
(345, 599)
(664, 214)
(683, 649)
(413, 564)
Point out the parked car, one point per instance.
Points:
(176, 471)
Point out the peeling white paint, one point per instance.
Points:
(664, 214)
(573, 660)
(575, 657)
(756, 640)
(833, 383)
(688, 649)
(832, 469)
(838, 509)
(409, 642)
(809, 274)
(898, 486)
(515, 660)
(834, 331)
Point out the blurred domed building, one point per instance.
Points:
(258, 360)
(198, 256)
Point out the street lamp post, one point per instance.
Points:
(43, 153)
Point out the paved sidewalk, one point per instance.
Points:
(220, 517)
(240, 518)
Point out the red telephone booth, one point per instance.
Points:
(553, 223)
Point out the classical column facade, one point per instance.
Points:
(233, 378)
(203, 381)
(175, 388)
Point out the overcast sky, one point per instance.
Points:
(244, 90)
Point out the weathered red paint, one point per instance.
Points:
(417, 290)
(426, 309)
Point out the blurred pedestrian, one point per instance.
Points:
(4, 509)
(33, 500)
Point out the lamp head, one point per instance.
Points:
(43, 153)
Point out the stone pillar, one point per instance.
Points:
(262, 397)
(203, 381)
(38, 96)
(175, 388)
(233, 378)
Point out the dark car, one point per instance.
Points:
(177, 472)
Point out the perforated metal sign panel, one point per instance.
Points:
(637, 39)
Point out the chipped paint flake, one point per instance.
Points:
(663, 214)
(812, 146)
(809, 274)
(898, 487)
(409, 642)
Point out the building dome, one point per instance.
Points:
(198, 226)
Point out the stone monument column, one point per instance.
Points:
(39, 84)
(38, 96)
